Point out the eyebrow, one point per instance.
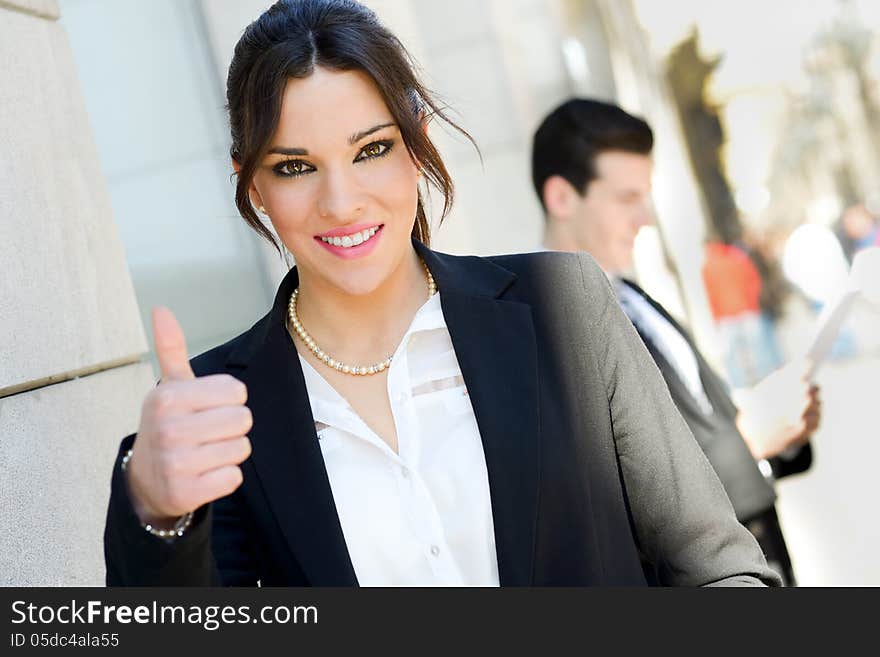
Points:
(288, 151)
(353, 139)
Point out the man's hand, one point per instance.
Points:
(781, 412)
(191, 436)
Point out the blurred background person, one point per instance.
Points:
(734, 289)
(591, 170)
(857, 230)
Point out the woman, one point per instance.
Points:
(413, 418)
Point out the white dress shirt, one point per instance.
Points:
(422, 517)
(666, 338)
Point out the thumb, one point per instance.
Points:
(170, 346)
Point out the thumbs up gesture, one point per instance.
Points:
(192, 434)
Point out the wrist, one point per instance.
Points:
(151, 522)
(748, 435)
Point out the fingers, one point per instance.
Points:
(188, 464)
(170, 346)
(804, 396)
(177, 397)
(812, 423)
(193, 476)
(192, 433)
(815, 402)
(812, 414)
(217, 483)
(212, 456)
(207, 426)
(806, 426)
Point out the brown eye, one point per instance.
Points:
(374, 150)
(292, 168)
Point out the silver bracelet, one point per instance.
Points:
(179, 527)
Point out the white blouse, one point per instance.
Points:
(422, 517)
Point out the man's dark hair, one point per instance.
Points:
(573, 135)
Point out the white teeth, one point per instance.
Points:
(348, 241)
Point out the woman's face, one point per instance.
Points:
(338, 183)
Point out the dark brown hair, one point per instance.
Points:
(573, 135)
(289, 40)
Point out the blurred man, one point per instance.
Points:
(857, 230)
(591, 167)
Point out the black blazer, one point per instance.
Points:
(594, 477)
(749, 491)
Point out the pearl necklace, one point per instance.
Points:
(326, 358)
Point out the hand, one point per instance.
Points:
(191, 436)
(781, 412)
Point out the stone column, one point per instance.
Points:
(71, 340)
(681, 218)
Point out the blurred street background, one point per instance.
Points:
(116, 196)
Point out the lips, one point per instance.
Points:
(351, 241)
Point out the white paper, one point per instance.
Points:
(832, 318)
(865, 273)
(863, 281)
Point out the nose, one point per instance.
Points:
(341, 198)
(644, 215)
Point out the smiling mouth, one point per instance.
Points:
(355, 239)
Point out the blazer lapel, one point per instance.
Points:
(286, 454)
(673, 380)
(494, 342)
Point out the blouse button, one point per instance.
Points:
(435, 550)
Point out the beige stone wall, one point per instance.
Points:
(680, 216)
(40, 8)
(70, 378)
(56, 452)
(499, 66)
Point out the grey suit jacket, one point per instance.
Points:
(749, 491)
(594, 477)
